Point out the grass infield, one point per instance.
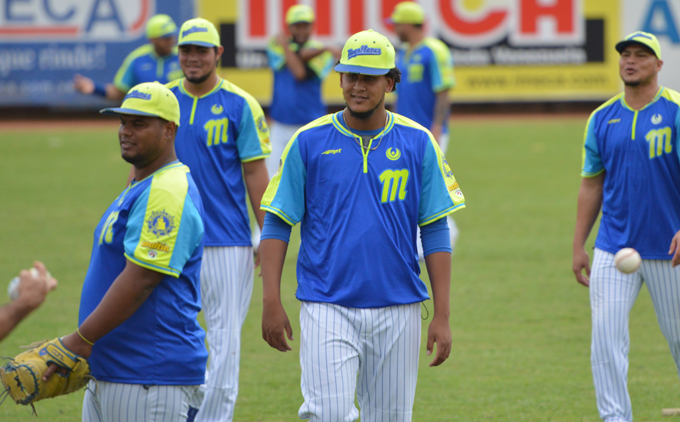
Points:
(521, 324)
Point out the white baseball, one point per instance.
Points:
(627, 260)
(13, 287)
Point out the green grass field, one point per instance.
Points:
(521, 324)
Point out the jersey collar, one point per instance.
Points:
(342, 129)
(655, 99)
(212, 91)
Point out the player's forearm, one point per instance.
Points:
(113, 93)
(439, 269)
(588, 208)
(10, 316)
(127, 293)
(273, 256)
(295, 64)
(256, 179)
(307, 54)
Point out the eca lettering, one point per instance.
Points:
(217, 131)
(393, 184)
(73, 18)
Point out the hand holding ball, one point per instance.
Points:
(627, 260)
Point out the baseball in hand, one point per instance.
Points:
(627, 260)
(13, 287)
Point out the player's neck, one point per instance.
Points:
(639, 96)
(168, 157)
(376, 121)
(202, 88)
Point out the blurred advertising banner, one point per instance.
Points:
(661, 18)
(43, 43)
(504, 50)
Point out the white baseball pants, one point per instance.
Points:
(115, 402)
(381, 345)
(226, 289)
(612, 295)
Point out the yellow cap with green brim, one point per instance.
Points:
(299, 13)
(160, 26)
(408, 12)
(368, 53)
(149, 99)
(198, 31)
(639, 37)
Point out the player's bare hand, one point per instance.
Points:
(439, 332)
(282, 39)
(276, 326)
(675, 249)
(83, 84)
(34, 287)
(581, 262)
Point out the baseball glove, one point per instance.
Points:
(22, 376)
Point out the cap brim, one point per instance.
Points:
(300, 21)
(121, 110)
(621, 45)
(200, 43)
(346, 68)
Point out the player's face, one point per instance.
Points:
(143, 139)
(198, 63)
(364, 94)
(163, 46)
(401, 29)
(300, 32)
(638, 65)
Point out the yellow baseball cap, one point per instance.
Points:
(149, 99)
(160, 26)
(408, 12)
(367, 52)
(639, 37)
(299, 13)
(198, 31)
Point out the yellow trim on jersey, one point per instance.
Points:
(364, 151)
(617, 97)
(183, 90)
(137, 52)
(635, 112)
(256, 111)
(671, 95)
(255, 158)
(167, 196)
(442, 214)
(279, 213)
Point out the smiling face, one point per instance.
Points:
(144, 139)
(364, 94)
(197, 62)
(638, 66)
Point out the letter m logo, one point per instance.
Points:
(393, 182)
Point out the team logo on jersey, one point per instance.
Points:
(332, 151)
(160, 246)
(217, 109)
(393, 154)
(656, 119)
(613, 121)
(152, 254)
(161, 223)
(262, 125)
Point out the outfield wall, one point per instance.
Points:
(504, 50)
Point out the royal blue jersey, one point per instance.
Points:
(144, 65)
(360, 211)
(426, 69)
(157, 224)
(218, 132)
(297, 102)
(638, 151)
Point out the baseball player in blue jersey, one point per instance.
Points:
(426, 66)
(223, 138)
(300, 64)
(360, 181)
(156, 61)
(631, 172)
(141, 297)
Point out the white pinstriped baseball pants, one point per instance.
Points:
(226, 289)
(612, 295)
(381, 345)
(115, 402)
